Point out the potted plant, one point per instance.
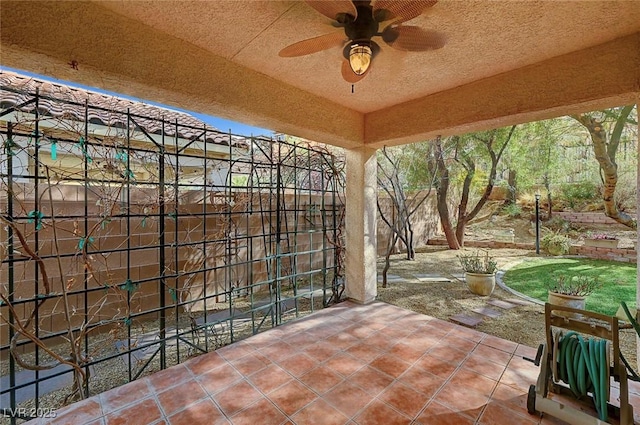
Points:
(571, 291)
(479, 272)
(601, 240)
(555, 244)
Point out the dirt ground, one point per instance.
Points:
(524, 324)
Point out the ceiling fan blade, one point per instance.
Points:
(413, 39)
(313, 45)
(401, 11)
(349, 76)
(332, 8)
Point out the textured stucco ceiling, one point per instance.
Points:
(504, 61)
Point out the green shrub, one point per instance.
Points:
(575, 193)
(555, 243)
(476, 263)
(513, 210)
(558, 224)
(578, 285)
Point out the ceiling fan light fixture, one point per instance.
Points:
(360, 54)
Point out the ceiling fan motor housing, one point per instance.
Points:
(360, 30)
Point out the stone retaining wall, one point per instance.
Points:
(586, 217)
(624, 255)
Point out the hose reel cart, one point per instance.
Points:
(580, 366)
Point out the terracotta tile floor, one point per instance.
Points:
(349, 364)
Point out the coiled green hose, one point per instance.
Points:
(583, 365)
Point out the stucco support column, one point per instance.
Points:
(361, 249)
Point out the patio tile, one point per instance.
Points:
(359, 331)
(484, 367)
(167, 378)
(378, 413)
(364, 352)
(449, 353)
(396, 329)
(371, 380)
(321, 379)
(439, 328)
(321, 351)
(236, 397)
(422, 381)
(301, 340)
(182, 395)
(298, 364)
(292, 397)
(439, 414)
(465, 378)
(319, 412)
(144, 412)
(511, 397)
(374, 323)
(461, 399)
(250, 363)
(390, 365)
(203, 412)
(342, 341)
(270, 378)
(262, 412)
(205, 363)
(278, 351)
(382, 340)
(437, 366)
(421, 340)
(500, 344)
(236, 350)
(466, 333)
(344, 364)
(124, 395)
(404, 399)
(492, 354)
(520, 377)
(218, 379)
(347, 398)
(406, 352)
(497, 414)
(525, 351)
(458, 343)
(80, 412)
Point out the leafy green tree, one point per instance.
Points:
(606, 129)
(468, 153)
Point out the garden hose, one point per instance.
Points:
(583, 364)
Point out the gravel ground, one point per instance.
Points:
(524, 324)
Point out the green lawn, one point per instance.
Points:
(531, 277)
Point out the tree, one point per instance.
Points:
(606, 129)
(390, 180)
(466, 151)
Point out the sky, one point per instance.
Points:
(219, 123)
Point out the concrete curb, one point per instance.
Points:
(501, 284)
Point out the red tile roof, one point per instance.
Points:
(59, 100)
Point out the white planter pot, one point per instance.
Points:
(572, 301)
(480, 284)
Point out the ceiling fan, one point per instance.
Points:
(362, 21)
